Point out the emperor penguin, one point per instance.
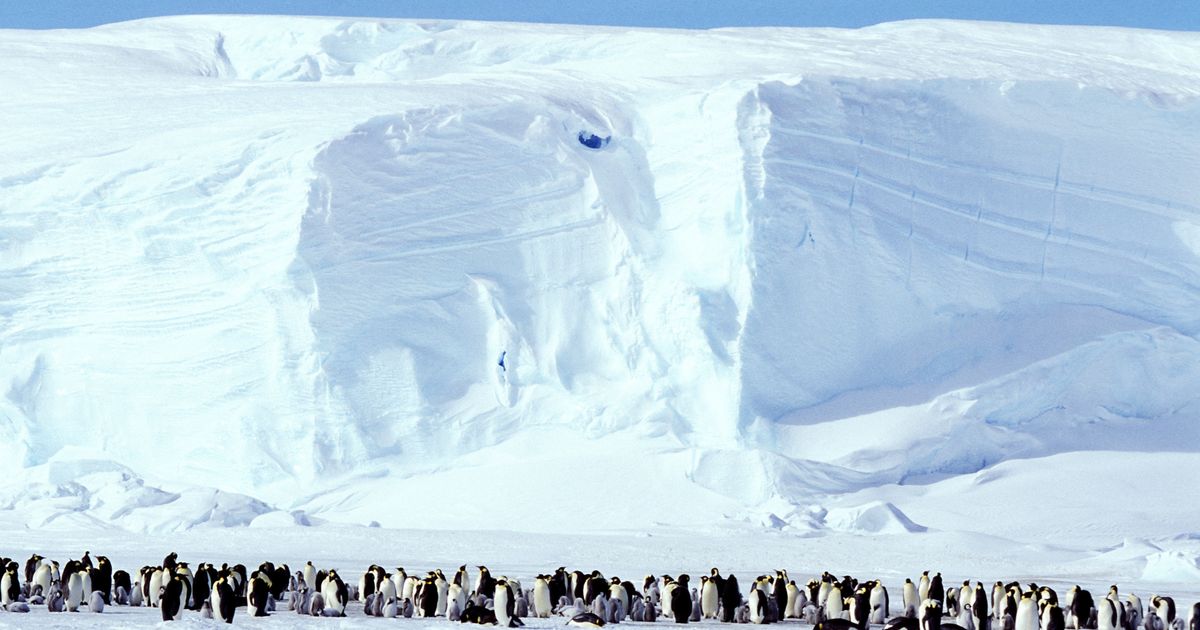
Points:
(965, 595)
(588, 620)
(1082, 605)
(310, 575)
(999, 593)
(1106, 615)
(96, 603)
(1164, 607)
(367, 583)
(650, 589)
(779, 593)
(1194, 620)
(910, 599)
(541, 597)
(930, 615)
(386, 590)
(85, 577)
(223, 599)
(55, 602)
(615, 611)
(260, 594)
(1052, 618)
(696, 615)
(428, 597)
(457, 596)
(758, 606)
(835, 603)
(485, 585)
(155, 587)
(400, 578)
(668, 588)
(651, 613)
(202, 582)
(10, 585)
(462, 578)
(803, 603)
(503, 604)
(42, 576)
(31, 566)
(122, 587)
(879, 603)
(336, 595)
(681, 599)
(599, 605)
(1133, 611)
(731, 598)
(638, 612)
(710, 601)
(443, 592)
(391, 610)
(823, 591)
(172, 603)
(937, 592)
(616, 591)
(1027, 613)
(951, 608)
(795, 607)
(979, 608)
(408, 588)
(75, 592)
(923, 587)
(102, 578)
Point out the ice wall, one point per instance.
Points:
(310, 260)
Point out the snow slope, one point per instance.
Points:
(819, 280)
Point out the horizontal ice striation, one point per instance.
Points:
(919, 235)
(322, 262)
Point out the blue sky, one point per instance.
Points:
(1163, 14)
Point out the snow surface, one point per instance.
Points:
(924, 281)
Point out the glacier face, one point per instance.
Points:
(313, 261)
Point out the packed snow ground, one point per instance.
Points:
(926, 288)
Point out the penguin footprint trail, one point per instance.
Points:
(176, 590)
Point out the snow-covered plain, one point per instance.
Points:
(921, 294)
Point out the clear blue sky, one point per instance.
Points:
(1162, 14)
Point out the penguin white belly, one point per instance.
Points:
(1106, 616)
(757, 606)
(42, 578)
(834, 605)
(75, 594)
(1027, 615)
(410, 586)
(329, 594)
(501, 607)
(443, 591)
(310, 576)
(541, 599)
(5, 586)
(156, 583)
(879, 605)
(709, 602)
(387, 590)
(910, 601)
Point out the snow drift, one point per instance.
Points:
(318, 262)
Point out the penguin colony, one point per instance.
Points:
(588, 600)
